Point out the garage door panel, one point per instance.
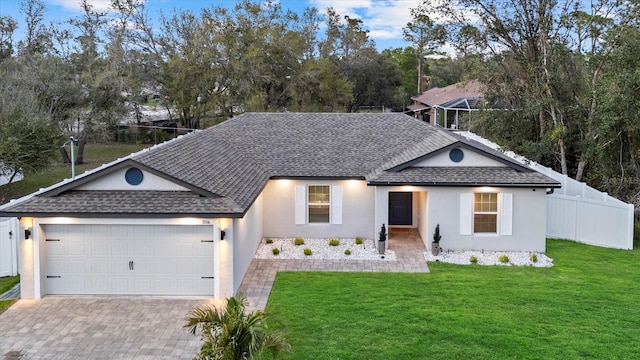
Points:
(100, 266)
(56, 266)
(119, 248)
(99, 248)
(76, 266)
(100, 285)
(95, 259)
(56, 285)
(75, 247)
(166, 268)
(205, 250)
(76, 285)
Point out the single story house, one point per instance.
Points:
(185, 217)
(449, 106)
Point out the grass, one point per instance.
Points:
(586, 306)
(6, 283)
(95, 155)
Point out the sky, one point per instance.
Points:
(383, 18)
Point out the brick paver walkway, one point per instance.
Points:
(261, 274)
(100, 327)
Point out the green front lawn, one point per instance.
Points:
(587, 306)
(6, 283)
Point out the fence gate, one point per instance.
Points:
(8, 247)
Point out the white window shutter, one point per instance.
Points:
(506, 214)
(466, 214)
(301, 205)
(336, 204)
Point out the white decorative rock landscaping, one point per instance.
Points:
(491, 258)
(321, 250)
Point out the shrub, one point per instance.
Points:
(308, 251)
(533, 257)
(268, 240)
(504, 258)
(298, 241)
(276, 251)
(334, 242)
(347, 252)
(473, 259)
(358, 240)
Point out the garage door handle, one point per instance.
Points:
(207, 277)
(130, 265)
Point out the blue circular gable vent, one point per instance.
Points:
(133, 176)
(456, 155)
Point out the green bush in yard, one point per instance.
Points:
(298, 241)
(308, 251)
(334, 242)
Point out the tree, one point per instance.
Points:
(545, 61)
(231, 333)
(102, 103)
(320, 87)
(617, 147)
(426, 36)
(8, 26)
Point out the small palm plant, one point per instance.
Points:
(231, 333)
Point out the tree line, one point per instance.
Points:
(564, 72)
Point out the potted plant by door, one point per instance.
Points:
(435, 245)
(381, 240)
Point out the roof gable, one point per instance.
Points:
(165, 181)
(481, 157)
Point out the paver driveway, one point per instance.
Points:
(61, 327)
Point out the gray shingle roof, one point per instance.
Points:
(235, 159)
(463, 176)
(148, 203)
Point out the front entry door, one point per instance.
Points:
(400, 205)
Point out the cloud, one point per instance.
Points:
(383, 18)
(74, 5)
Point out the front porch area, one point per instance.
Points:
(406, 243)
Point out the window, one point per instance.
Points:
(318, 202)
(485, 212)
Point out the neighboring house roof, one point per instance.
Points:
(442, 96)
(225, 167)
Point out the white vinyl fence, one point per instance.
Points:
(9, 247)
(579, 212)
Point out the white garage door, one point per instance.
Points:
(129, 259)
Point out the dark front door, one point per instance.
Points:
(400, 205)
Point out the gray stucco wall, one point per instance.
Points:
(529, 221)
(247, 233)
(441, 205)
(357, 210)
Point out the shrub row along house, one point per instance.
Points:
(185, 217)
